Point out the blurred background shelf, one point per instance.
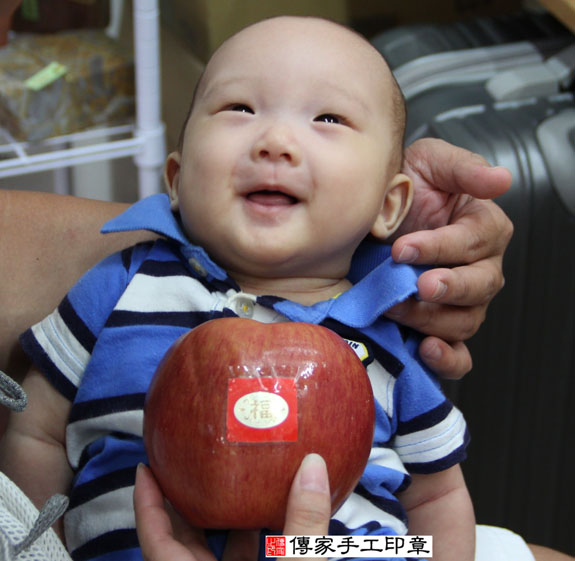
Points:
(143, 139)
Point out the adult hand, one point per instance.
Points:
(168, 538)
(452, 224)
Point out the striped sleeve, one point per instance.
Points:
(61, 344)
(430, 432)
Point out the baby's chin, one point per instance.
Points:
(277, 265)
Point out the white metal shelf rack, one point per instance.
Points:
(144, 139)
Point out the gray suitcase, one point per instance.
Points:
(519, 400)
(404, 44)
(520, 397)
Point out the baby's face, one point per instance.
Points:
(285, 159)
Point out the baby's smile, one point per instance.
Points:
(271, 197)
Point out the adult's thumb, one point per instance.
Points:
(309, 503)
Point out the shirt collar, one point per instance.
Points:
(367, 300)
(154, 213)
(378, 282)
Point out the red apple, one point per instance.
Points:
(235, 406)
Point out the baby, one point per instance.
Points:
(288, 161)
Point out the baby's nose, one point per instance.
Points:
(277, 143)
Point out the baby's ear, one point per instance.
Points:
(396, 205)
(172, 178)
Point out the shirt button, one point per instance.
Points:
(198, 267)
(245, 308)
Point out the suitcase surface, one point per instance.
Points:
(428, 57)
(520, 397)
(406, 43)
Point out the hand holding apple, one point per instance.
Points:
(164, 536)
(236, 405)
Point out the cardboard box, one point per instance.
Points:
(193, 29)
(205, 24)
(181, 69)
(563, 10)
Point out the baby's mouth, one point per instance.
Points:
(267, 197)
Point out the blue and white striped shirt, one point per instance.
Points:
(101, 346)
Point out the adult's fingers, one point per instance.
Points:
(470, 285)
(450, 323)
(308, 510)
(434, 162)
(152, 521)
(479, 229)
(156, 533)
(309, 503)
(450, 361)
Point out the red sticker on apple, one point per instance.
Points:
(262, 410)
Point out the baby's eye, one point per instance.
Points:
(329, 118)
(241, 107)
